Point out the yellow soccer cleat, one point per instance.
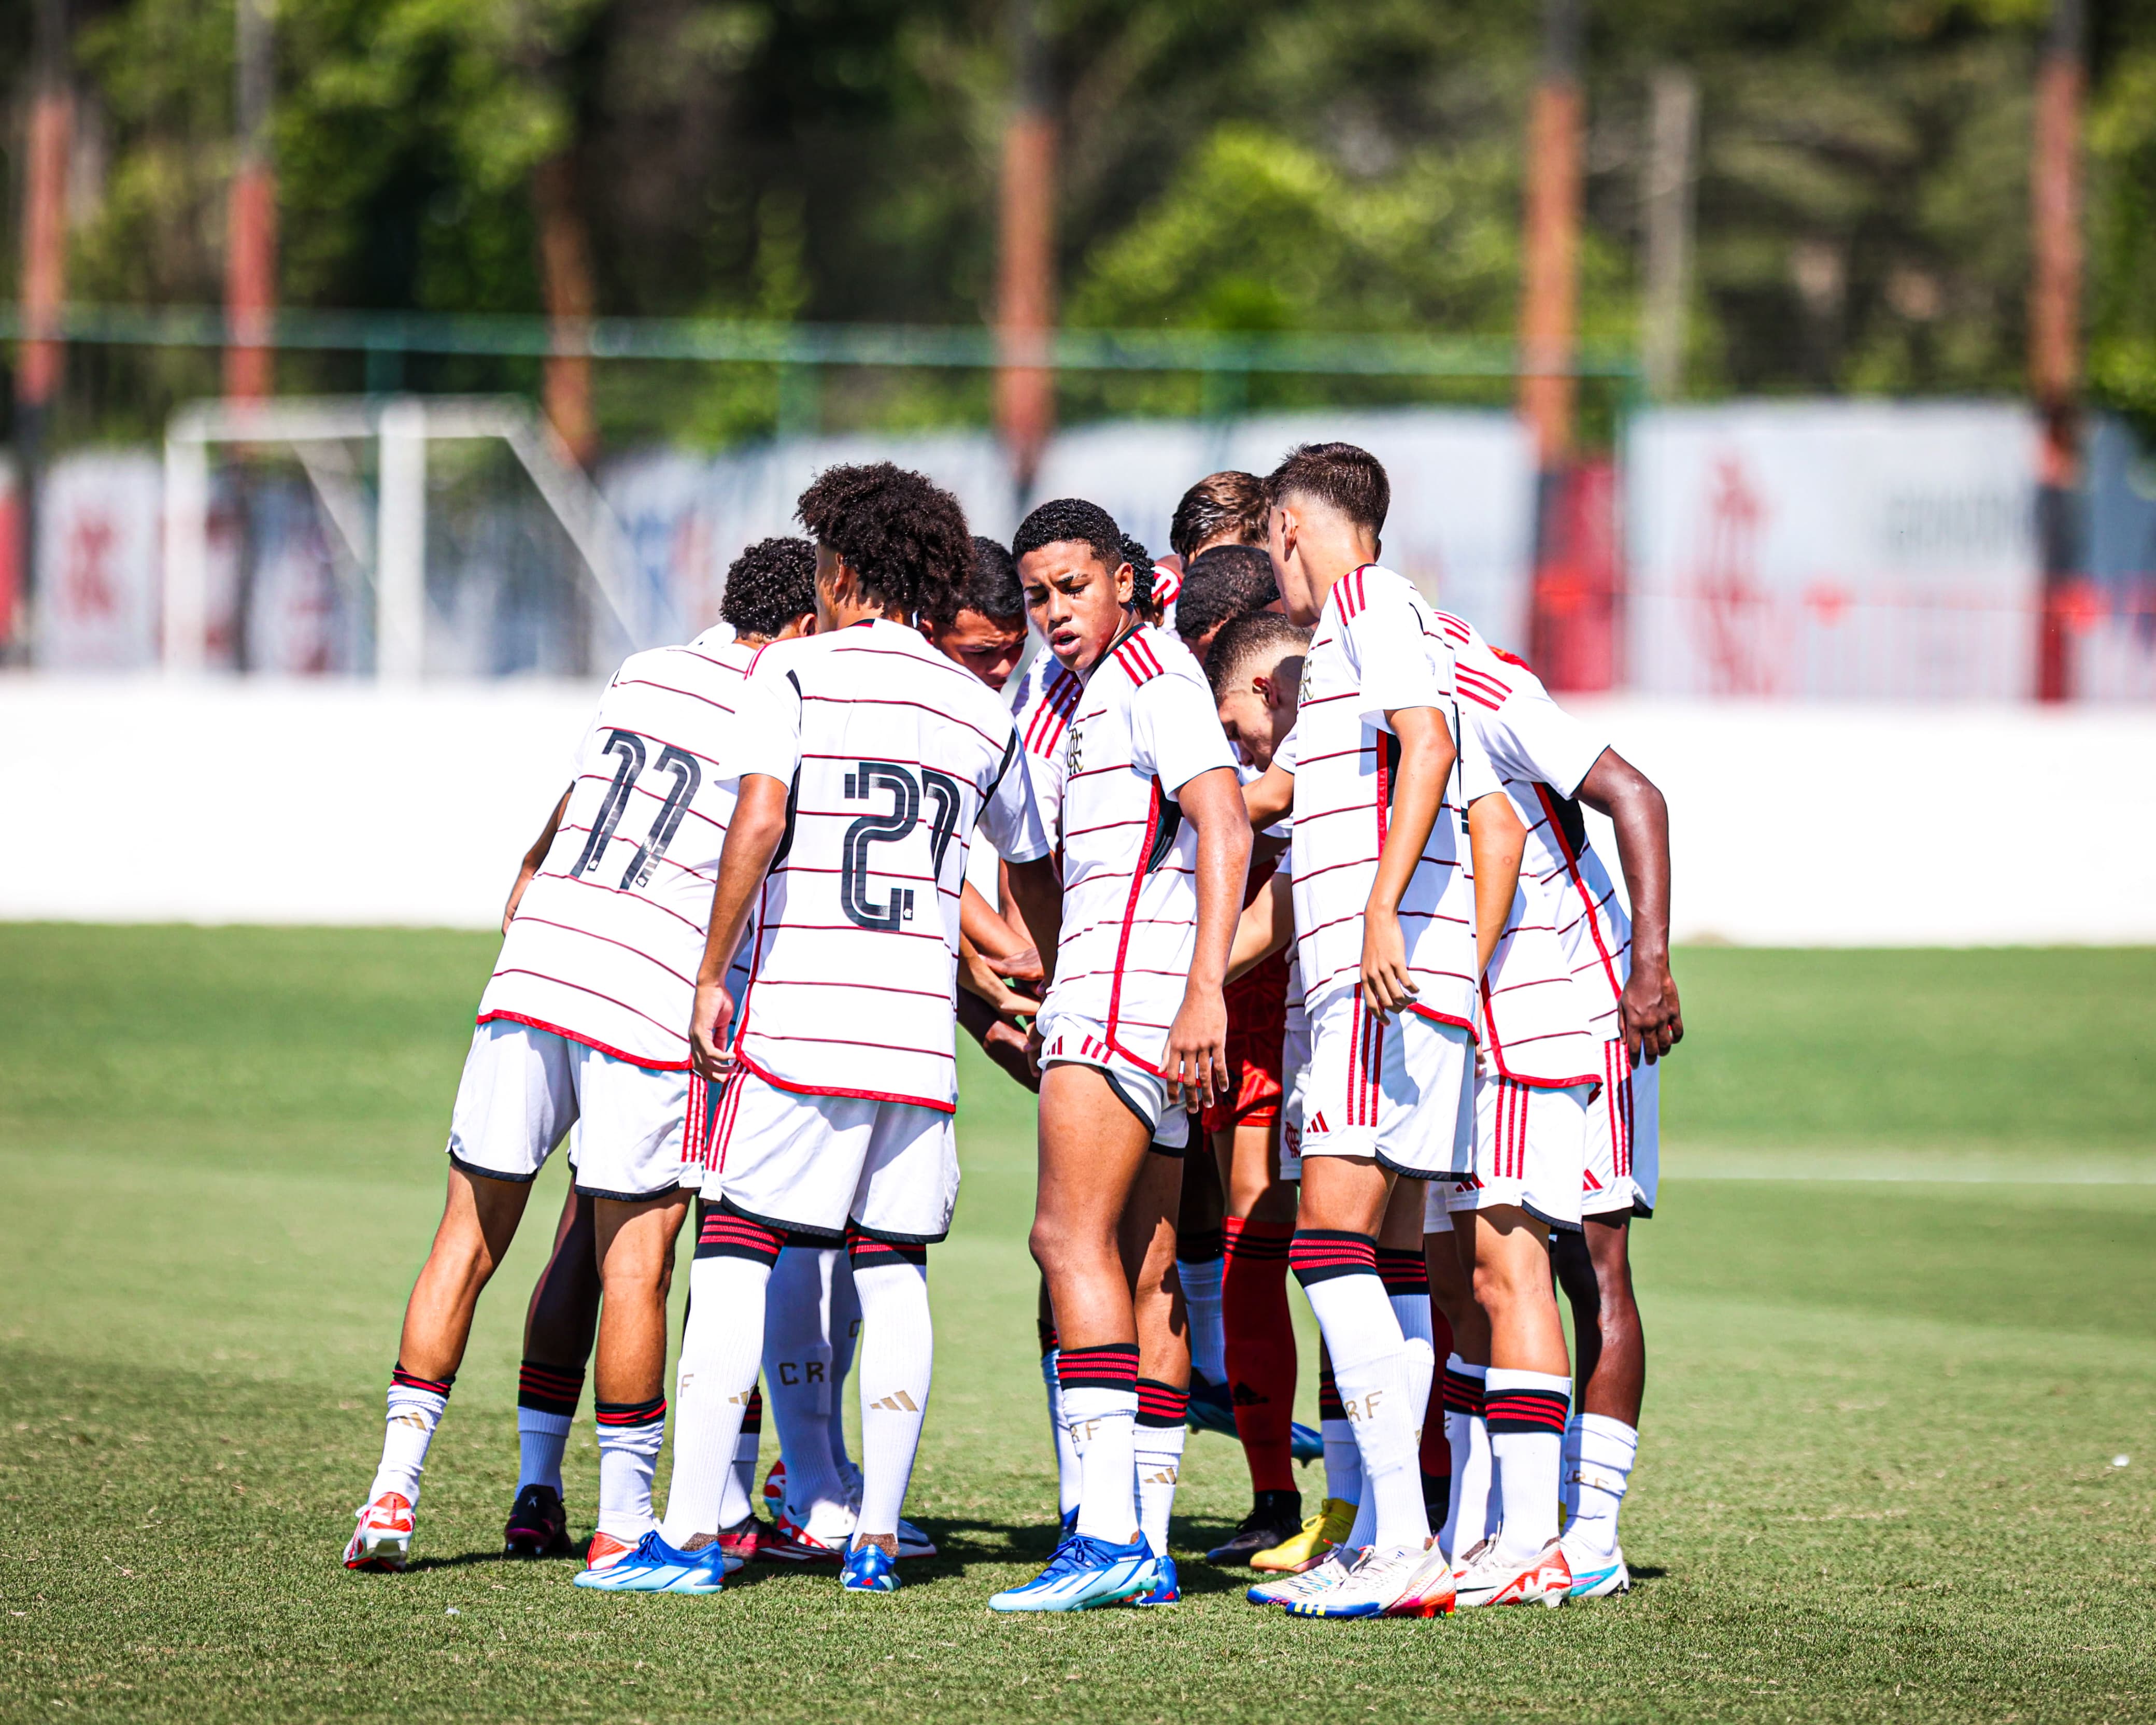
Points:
(1306, 1549)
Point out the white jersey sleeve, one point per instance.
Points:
(1175, 731)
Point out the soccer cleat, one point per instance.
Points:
(1274, 1517)
(605, 1550)
(1166, 1587)
(1306, 1548)
(382, 1540)
(774, 1487)
(1212, 1409)
(912, 1543)
(1596, 1578)
(1488, 1577)
(1329, 1571)
(790, 1543)
(743, 1541)
(1304, 1444)
(1083, 1573)
(538, 1525)
(1401, 1581)
(868, 1569)
(652, 1566)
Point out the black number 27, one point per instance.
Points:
(687, 777)
(907, 793)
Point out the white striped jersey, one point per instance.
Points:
(893, 754)
(1143, 728)
(1541, 753)
(608, 935)
(1376, 650)
(1042, 702)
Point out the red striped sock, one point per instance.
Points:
(1261, 1349)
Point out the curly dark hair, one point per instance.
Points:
(1141, 561)
(902, 535)
(1229, 502)
(992, 588)
(769, 585)
(1352, 480)
(1227, 581)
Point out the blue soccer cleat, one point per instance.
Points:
(1083, 1573)
(1212, 1409)
(868, 1569)
(1595, 1577)
(1305, 1444)
(654, 1567)
(1166, 1587)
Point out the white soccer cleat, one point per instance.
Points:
(1399, 1581)
(1327, 1573)
(1489, 1576)
(1596, 1577)
(382, 1540)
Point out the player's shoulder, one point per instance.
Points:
(1375, 591)
(1149, 655)
(1485, 674)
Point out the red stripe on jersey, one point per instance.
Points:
(866, 1096)
(611, 1052)
(668, 688)
(1572, 867)
(918, 705)
(1129, 910)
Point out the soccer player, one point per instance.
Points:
(1384, 914)
(1564, 1009)
(1154, 845)
(866, 759)
(580, 1030)
(1225, 508)
(1227, 581)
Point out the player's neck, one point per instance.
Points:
(848, 612)
(1331, 562)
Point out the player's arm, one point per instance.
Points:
(1266, 925)
(533, 858)
(1496, 839)
(752, 840)
(1426, 757)
(1197, 1054)
(1653, 1020)
(1269, 796)
(1038, 894)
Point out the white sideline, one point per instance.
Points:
(138, 799)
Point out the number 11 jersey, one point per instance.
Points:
(893, 753)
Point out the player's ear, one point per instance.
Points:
(1127, 583)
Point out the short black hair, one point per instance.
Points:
(1227, 581)
(1351, 480)
(902, 535)
(1244, 641)
(769, 585)
(1229, 502)
(1071, 519)
(992, 588)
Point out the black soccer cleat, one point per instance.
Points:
(1274, 1516)
(538, 1525)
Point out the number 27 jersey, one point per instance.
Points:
(893, 753)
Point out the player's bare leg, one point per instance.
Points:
(1526, 1396)
(478, 1221)
(1092, 1151)
(1449, 1255)
(635, 1245)
(1201, 1265)
(1147, 1246)
(1595, 1271)
(560, 1325)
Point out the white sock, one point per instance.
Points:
(630, 1437)
(1607, 1450)
(1411, 1311)
(414, 1410)
(1568, 1477)
(1365, 1530)
(720, 1348)
(1100, 1402)
(1343, 1462)
(541, 1438)
(1526, 1412)
(897, 1361)
(1370, 1365)
(738, 1497)
(1070, 1481)
(1201, 1278)
(1470, 1518)
(1158, 1450)
(797, 1373)
(845, 1332)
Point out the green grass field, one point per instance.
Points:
(1901, 1308)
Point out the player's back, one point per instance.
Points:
(608, 934)
(898, 752)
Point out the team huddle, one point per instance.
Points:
(1288, 915)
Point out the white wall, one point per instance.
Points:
(132, 800)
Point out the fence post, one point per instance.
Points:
(186, 529)
(400, 539)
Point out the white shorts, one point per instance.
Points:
(523, 1089)
(1080, 1042)
(1401, 1092)
(810, 1165)
(1295, 1082)
(1529, 1147)
(1624, 1137)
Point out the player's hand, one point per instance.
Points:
(979, 976)
(1387, 987)
(1035, 1042)
(1021, 967)
(708, 1023)
(1653, 1021)
(516, 895)
(1196, 1061)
